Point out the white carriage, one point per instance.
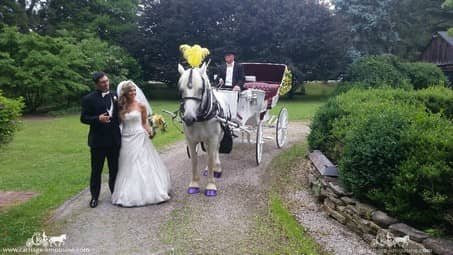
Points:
(247, 112)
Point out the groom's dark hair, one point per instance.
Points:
(97, 76)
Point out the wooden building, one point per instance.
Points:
(440, 52)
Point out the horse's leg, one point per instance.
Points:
(211, 188)
(194, 186)
(217, 166)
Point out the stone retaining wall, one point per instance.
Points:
(384, 233)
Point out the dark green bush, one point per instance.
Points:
(326, 119)
(378, 71)
(394, 148)
(421, 190)
(390, 71)
(424, 75)
(10, 111)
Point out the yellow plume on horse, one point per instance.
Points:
(194, 55)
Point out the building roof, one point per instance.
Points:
(446, 37)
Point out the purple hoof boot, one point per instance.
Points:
(216, 174)
(193, 190)
(210, 193)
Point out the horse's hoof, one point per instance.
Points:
(193, 190)
(210, 192)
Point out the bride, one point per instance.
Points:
(142, 177)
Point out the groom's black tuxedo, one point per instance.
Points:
(101, 134)
(104, 139)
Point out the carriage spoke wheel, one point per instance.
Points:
(259, 142)
(281, 131)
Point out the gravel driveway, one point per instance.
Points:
(187, 224)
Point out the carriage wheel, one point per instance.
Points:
(281, 130)
(259, 142)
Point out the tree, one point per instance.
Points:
(20, 13)
(448, 4)
(304, 34)
(371, 24)
(110, 20)
(56, 71)
(417, 21)
(400, 27)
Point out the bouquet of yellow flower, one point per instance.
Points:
(157, 121)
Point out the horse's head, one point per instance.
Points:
(193, 86)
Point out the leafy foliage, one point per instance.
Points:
(372, 23)
(400, 27)
(56, 71)
(376, 71)
(393, 148)
(303, 34)
(10, 111)
(423, 75)
(388, 70)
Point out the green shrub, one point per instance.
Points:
(424, 75)
(378, 71)
(390, 71)
(421, 191)
(372, 149)
(437, 99)
(326, 119)
(321, 136)
(10, 111)
(394, 148)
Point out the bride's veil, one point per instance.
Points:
(140, 97)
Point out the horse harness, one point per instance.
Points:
(208, 109)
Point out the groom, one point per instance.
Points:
(100, 111)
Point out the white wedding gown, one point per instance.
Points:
(142, 176)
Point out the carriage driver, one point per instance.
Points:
(231, 74)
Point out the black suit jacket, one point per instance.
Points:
(238, 75)
(101, 134)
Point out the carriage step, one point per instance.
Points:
(269, 138)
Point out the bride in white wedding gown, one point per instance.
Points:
(142, 176)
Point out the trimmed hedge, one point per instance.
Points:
(424, 75)
(394, 148)
(378, 71)
(390, 71)
(10, 111)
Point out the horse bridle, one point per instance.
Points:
(202, 112)
(189, 85)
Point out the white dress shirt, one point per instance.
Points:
(229, 75)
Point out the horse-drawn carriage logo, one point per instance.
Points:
(42, 240)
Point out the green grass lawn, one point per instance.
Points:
(51, 157)
(304, 107)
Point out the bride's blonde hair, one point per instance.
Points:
(127, 86)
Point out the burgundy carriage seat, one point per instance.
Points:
(268, 78)
(271, 89)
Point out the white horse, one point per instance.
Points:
(57, 241)
(200, 124)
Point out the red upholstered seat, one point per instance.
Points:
(271, 89)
